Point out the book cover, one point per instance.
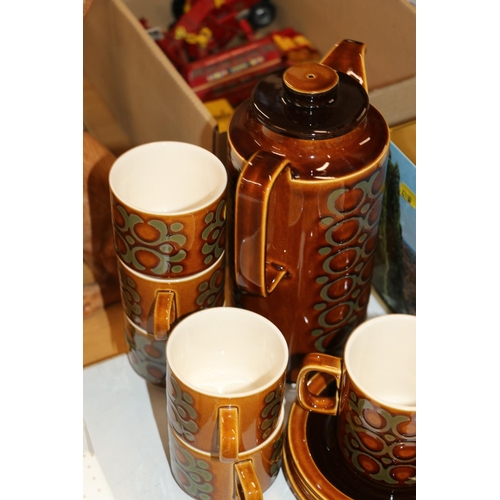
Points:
(394, 271)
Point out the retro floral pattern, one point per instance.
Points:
(182, 415)
(214, 234)
(380, 444)
(350, 236)
(192, 295)
(277, 456)
(160, 249)
(271, 411)
(146, 356)
(192, 475)
(211, 291)
(185, 419)
(131, 299)
(163, 243)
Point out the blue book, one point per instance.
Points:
(394, 271)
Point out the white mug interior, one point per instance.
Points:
(227, 351)
(380, 357)
(168, 177)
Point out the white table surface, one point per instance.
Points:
(126, 422)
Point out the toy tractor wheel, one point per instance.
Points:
(178, 8)
(261, 14)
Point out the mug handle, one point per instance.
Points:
(247, 483)
(164, 313)
(229, 434)
(319, 362)
(254, 273)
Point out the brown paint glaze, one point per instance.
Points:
(203, 475)
(168, 245)
(196, 417)
(156, 305)
(307, 166)
(313, 463)
(146, 354)
(371, 440)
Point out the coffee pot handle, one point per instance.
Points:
(319, 363)
(254, 272)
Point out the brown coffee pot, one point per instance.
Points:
(307, 165)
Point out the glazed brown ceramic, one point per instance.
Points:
(308, 157)
(315, 468)
(204, 477)
(156, 304)
(376, 404)
(168, 204)
(225, 380)
(145, 354)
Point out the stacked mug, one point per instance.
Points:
(226, 377)
(168, 208)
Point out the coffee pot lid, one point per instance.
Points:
(310, 101)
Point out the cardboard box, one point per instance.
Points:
(137, 86)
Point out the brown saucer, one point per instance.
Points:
(314, 466)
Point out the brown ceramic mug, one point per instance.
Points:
(156, 304)
(168, 205)
(376, 400)
(202, 475)
(225, 380)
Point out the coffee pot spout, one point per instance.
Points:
(348, 56)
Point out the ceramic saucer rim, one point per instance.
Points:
(296, 440)
(303, 468)
(294, 482)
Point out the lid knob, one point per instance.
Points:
(315, 100)
(311, 85)
(310, 78)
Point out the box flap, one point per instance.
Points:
(387, 27)
(140, 87)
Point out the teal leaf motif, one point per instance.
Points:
(357, 242)
(213, 233)
(142, 361)
(210, 290)
(196, 472)
(277, 455)
(386, 435)
(167, 248)
(183, 413)
(164, 264)
(177, 226)
(180, 239)
(130, 298)
(271, 410)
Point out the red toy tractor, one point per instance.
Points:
(202, 27)
(232, 73)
